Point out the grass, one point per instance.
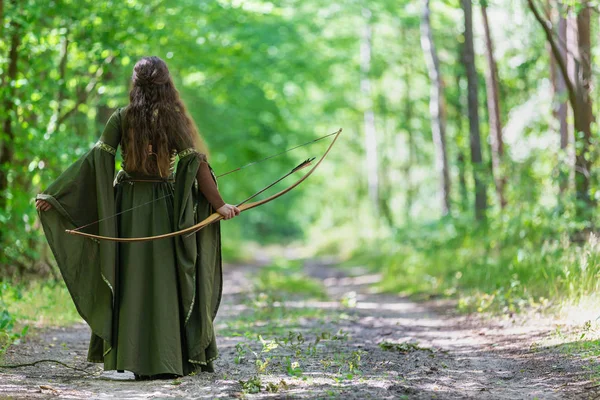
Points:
(40, 303)
(48, 303)
(289, 354)
(298, 341)
(286, 278)
(36, 303)
(402, 347)
(581, 342)
(268, 308)
(511, 264)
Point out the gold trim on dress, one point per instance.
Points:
(106, 147)
(204, 362)
(189, 314)
(186, 152)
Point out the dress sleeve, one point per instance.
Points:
(199, 262)
(111, 136)
(83, 196)
(208, 187)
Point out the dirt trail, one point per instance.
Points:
(370, 346)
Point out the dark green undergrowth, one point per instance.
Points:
(36, 303)
(532, 258)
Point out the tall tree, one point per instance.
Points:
(583, 129)
(436, 107)
(411, 161)
(578, 87)
(369, 114)
(459, 107)
(473, 110)
(560, 91)
(7, 135)
(493, 102)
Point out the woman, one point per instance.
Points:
(150, 305)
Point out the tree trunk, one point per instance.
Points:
(562, 108)
(462, 180)
(577, 74)
(473, 104)
(571, 54)
(436, 108)
(460, 157)
(583, 115)
(493, 102)
(369, 115)
(8, 135)
(578, 45)
(408, 115)
(62, 74)
(386, 188)
(561, 88)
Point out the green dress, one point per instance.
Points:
(150, 305)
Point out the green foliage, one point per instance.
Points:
(286, 278)
(39, 303)
(252, 385)
(402, 347)
(8, 331)
(243, 72)
(259, 77)
(527, 259)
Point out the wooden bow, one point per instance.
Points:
(215, 216)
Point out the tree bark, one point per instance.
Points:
(571, 55)
(473, 104)
(577, 75)
(493, 102)
(408, 116)
(560, 95)
(436, 108)
(462, 180)
(386, 188)
(561, 87)
(562, 109)
(583, 115)
(460, 157)
(7, 135)
(369, 115)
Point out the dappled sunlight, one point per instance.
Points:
(367, 279)
(441, 240)
(581, 311)
(399, 307)
(357, 343)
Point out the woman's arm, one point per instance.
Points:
(209, 189)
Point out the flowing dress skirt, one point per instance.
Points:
(148, 324)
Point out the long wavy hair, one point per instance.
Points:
(157, 121)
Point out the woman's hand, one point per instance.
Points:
(228, 211)
(42, 205)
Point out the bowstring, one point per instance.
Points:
(218, 176)
(122, 212)
(302, 165)
(275, 155)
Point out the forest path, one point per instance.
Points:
(369, 346)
